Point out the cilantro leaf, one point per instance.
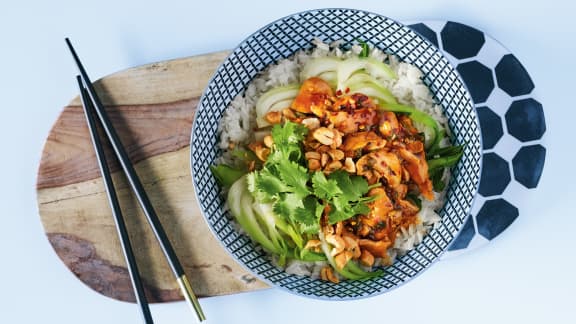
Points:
(360, 208)
(336, 216)
(360, 185)
(288, 203)
(344, 193)
(309, 215)
(309, 228)
(304, 216)
(353, 187)
(343, 209)
(265, 186)
(283, 209)
(323, 187)
(295, 176)
(289, 133)
(340, 203)
(287, 139)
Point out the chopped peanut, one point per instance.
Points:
(289, 114)
(314, 165)
(352, 246)
(366, 258)
(327, 274)
(337, 138)
(324, 159)
(342, 258)
(336, 154)
(311, 123)
(312, 155)
(268, 141)
(273, 117)
(349, 165)
(339, 228)
(313, 245)
(323, 148)
(388, 123)
(260, 150)
(332, 166)
(324, 135)
(337, 242)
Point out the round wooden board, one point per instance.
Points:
(152, 108)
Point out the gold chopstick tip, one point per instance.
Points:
(190, 296)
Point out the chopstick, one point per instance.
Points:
(114, 205)
(139, 191)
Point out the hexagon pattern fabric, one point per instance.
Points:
(512, 125)
(488, 118)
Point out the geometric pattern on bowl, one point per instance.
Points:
(512, 125)
(283, 38)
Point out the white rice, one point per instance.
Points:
(239, 121)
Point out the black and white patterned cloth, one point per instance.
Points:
(512, 124)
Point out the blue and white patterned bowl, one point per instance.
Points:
(283, 38)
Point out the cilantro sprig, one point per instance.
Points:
(343, 194)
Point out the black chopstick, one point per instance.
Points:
(114, 205)
(139, 191)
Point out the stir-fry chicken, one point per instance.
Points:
(314, 97)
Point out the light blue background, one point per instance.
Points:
(524, 276)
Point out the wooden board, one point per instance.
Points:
(152, 108)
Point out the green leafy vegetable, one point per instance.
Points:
(446, 157)
(365, 49)
(294, 176)
(355, 269)
(265, 186)
(287, 142)
(436, 177)
(352, 187)
(324, 188)
(309, 215)
(265, 211)
(443, 158)
(307, 255)
(412, 197)
(244, 155)
(240, 203)
(328, 190)
(226, 175)
(343, 193)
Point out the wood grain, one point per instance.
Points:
(152, 108)
(145, 130)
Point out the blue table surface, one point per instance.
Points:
(524, 275)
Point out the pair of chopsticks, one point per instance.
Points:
(94, 110)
